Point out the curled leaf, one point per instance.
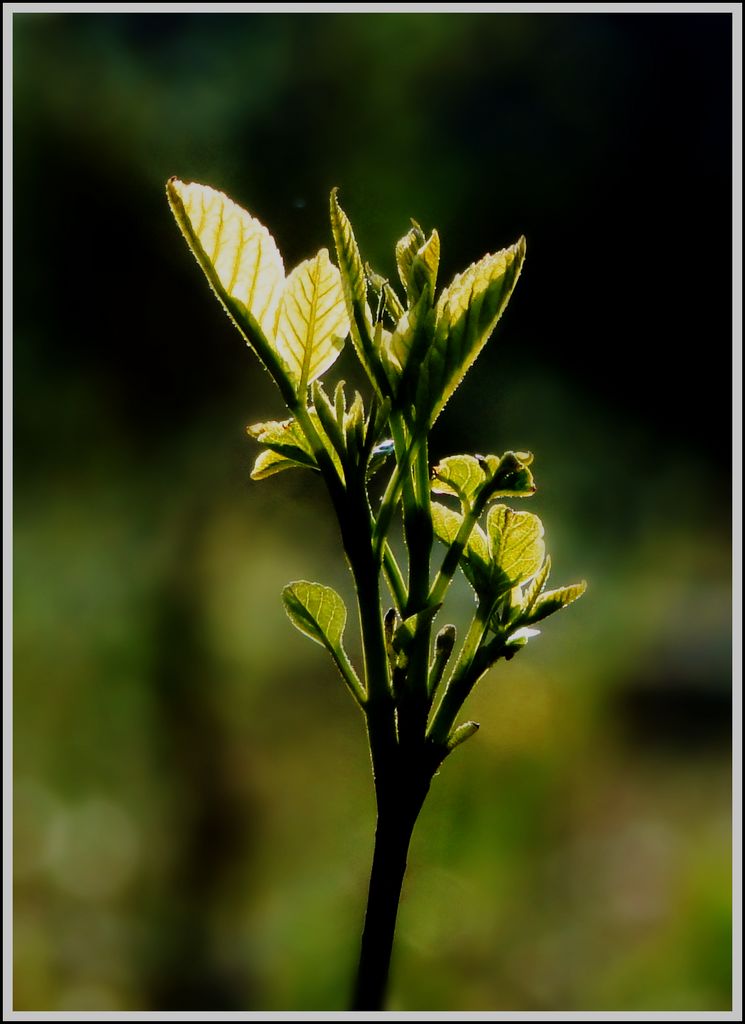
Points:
(473, 478)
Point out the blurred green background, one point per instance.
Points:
(193, 812)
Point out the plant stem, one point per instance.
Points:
(396, 819)
(461, 681)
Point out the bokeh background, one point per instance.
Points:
(193, 813)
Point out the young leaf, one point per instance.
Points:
(312, 322)
(317, 611)
(320, 613)
(467, 313)
(475, 560)
(459, 475)
(461, 734)
(411, 338)
(534, 588)
(553, 601)
(238, 256)
(284, 437)
(268, 463)
(355, 293)
(426, 263)
(406, 250)
(516, 546)
(392, 303)
(418, 259)
(332, 423)
(508, 477)
(484, 477)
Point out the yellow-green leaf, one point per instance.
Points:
(426, 264)
(312, 322)
(467, 313)
(484, 477)
(509, 476)
(460, 475)
(317, 611)
(236, 252)
(554, 600)
(411, 337)
(536, 585)
(355, 294)
(475, 560)
(406, 250)
(516, 546)
(285, 438)
(269, 462)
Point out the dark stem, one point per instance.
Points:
(396, 820)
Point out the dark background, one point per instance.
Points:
(193, 817)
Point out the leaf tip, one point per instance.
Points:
(461, 734)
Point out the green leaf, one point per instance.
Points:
(317, 611)
(328, 415)
(285, 438)
(461, 734)
(475, 560)
(459, 475)
(392, 303)
(470, 477)
(268, 463)
(530, 595)
(467, 313)
(516, 546)
(320, 613)
(508, 476)
(406, 251)
(410, 339)
(355, 294)
(418, 259)
(534, 588)
(312, 321)
(553, 601)
(239, 258)
(426, 263)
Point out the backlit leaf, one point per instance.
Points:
(516, 546)
(268, 463)
(406, 250)
(475, 559)
(554, 600)
(317, 611)
(285, 438)
(411, 337)
(469, 477)
(312, 322)
(533, 590)
(355, 293)
(467, 312)
(460, 475)
(508, 476)
(238, 255)
(418, 259)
